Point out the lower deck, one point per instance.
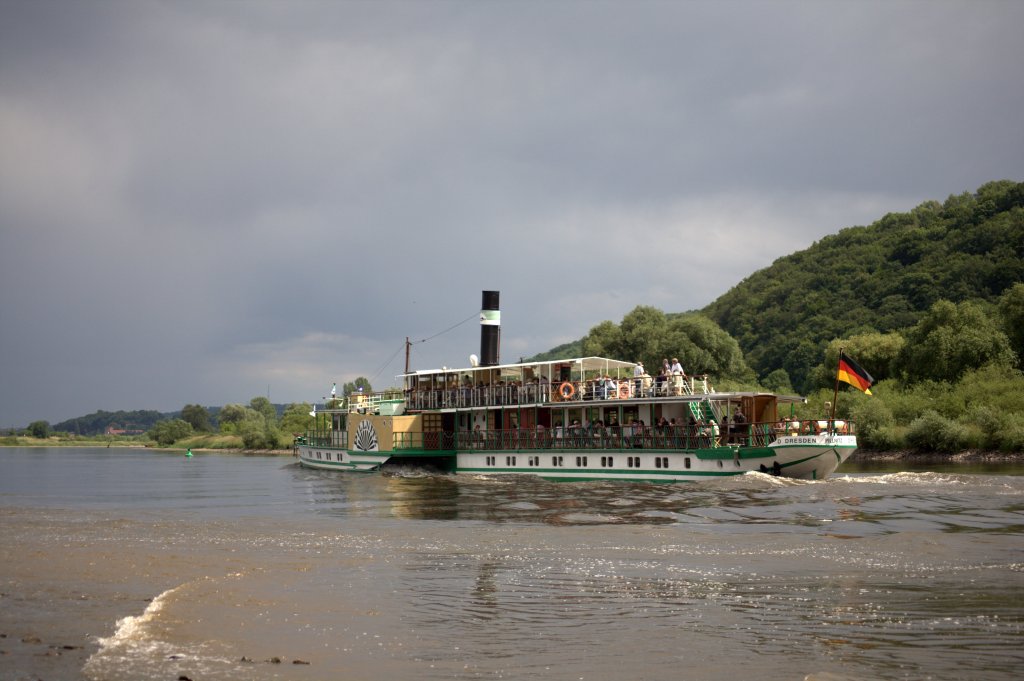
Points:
(811, 458)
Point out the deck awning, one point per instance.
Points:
(577, 366)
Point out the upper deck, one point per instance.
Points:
(550, 383)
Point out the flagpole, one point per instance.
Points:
(835, 395)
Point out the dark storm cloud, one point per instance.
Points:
(198, 200)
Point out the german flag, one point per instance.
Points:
(852, 373)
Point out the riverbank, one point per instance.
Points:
(967, 456)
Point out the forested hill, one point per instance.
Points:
(882, 277)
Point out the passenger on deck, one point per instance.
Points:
(646, 384)
(676, 369)
(638, 373)
(739, 427)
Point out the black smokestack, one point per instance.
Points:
(490, 329)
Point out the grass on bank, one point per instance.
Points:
(66, 440)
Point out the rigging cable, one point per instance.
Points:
(386, 364)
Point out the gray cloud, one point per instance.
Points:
(200, 200)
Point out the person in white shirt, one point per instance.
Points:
(638, 374)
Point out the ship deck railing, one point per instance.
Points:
(506, 394)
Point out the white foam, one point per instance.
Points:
(133, 641)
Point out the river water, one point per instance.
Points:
(138, 565)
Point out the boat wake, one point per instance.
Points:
(139, 648)
(908, 478)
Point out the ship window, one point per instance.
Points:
(686, 462)
(664, 462)
(328, 456)
(581, 461)
(510, 461)
(719, 463)
(657, 462)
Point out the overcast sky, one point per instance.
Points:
(202, 202)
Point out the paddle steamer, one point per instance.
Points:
(584, 418)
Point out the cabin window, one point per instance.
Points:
(510, 461)
(719, 463)
(581, 461)
(686, 462)
(556, 461)
(328, 456)
(664, 461)
(608, 462)
(490, 460)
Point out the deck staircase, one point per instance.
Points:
(704, 410)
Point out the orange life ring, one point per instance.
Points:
(623, 391)
(567, 390)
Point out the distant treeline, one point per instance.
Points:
(139, 420)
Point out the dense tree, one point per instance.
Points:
(878, 353)
(263, 406)
(170, 431)
(296, 418)
(951, 340)
(647, 335)
(39, 429)
(197, 416)
(778, 382)
(230, 415)
(258, 431)
(1011, 307)
(354, 386)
